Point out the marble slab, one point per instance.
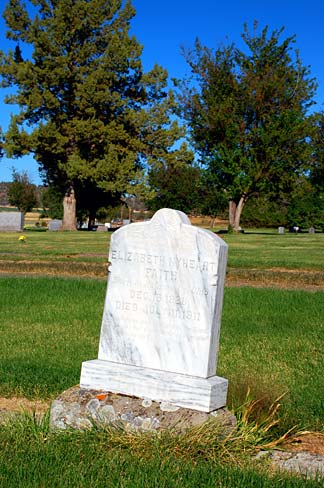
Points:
(163, 307)
(164, 296)
(203, 394)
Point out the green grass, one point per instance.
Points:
(52, 246)
(32, 456)
(267, 250)
(254, 250)
(48, 327)
(271, 342)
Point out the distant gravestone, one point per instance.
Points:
(102, 228)
(281, 230)
(161, 322)
(11, 221)
(311, 230)
(55, 225)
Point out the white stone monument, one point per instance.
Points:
(161, 321)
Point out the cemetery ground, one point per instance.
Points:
(52, 290)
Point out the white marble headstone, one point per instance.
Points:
(161, 322)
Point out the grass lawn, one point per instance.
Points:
(33, 457)
(271, 344)
(255, 249)
(86, 252)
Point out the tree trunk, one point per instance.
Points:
(91, 220)
(235, 212)
(69, 211)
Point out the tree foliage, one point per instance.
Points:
(21, 192)
(317, 157)
(94, 117)
(175, 187)
(247, 113)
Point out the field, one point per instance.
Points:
(52, 289)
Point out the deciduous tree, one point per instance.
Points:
(247, 111)
(21, 192)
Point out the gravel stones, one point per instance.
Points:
(301, 463)
(78, 408)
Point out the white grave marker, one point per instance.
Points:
(161, 321)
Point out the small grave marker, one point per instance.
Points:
(161, 322)
(55, 225)
(11, 221)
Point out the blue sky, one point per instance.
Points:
(163, 26)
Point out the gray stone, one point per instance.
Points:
(146, 402)
(127, 417)
(168, 407)
(107, 414)
(281, 230)
(55, 225)
(302, 463)
(147, 424)
(311, 230)
(155, 424)
(138, 421)
(92, 406)
(83, 424)
(11, 221)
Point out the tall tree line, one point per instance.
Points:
(101, 128)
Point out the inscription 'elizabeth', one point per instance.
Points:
(175, 262)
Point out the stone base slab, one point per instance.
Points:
(203, 394)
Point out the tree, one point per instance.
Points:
(51, 200)
(317, 157)
(247, 114)
(94, 116)
(22, 193)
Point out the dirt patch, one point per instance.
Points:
(21, 404)
(312, 442)
(289, 279)
(54, 268)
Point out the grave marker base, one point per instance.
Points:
(203, 394)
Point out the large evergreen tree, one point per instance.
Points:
(93, 116)
(248, 115)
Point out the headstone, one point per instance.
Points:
(55, 225)
(161, 322)
(281, 230)
(11, 221)
(311, 230)
(102, 228)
